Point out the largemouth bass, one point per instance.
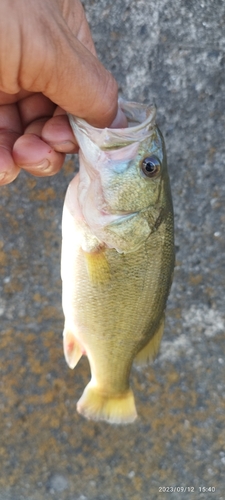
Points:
(117, 257)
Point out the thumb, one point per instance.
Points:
(73, 77)
(81, 85)
(47, 47)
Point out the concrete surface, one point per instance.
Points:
(171, 52)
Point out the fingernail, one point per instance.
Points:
(2, 176)
(65, 147)
(43, 166)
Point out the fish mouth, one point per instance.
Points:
(141, 122)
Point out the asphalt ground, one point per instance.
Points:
(171, 53)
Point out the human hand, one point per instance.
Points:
(48, 66)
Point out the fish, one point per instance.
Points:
(117, 257)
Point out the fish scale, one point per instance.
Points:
(117, 259)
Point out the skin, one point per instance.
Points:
(116, 273)
(48, 67)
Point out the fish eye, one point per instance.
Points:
(151, 166)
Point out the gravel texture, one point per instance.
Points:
(172, 53)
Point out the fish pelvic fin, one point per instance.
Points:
(150, 351)
(72, 349)
(118, 409)
(97, 266)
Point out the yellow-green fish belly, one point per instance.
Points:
(115, 304)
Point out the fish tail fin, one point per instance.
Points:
(150, 351)
(71, 348)
(118, 409)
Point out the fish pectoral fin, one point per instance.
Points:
(150, 351)
(118, 409)
(72, 349)
(97, 266)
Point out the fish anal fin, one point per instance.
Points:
(72, 349)
(97, 266)
(119, 409)
(150, 351)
